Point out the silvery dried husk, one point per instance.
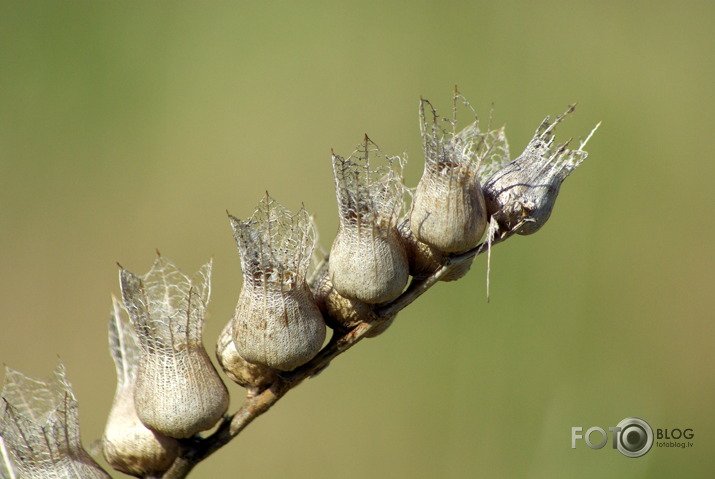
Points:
(253, 377)
(178, 391)
(448, 210)
(522, 194)
(425, 260)
(39, 426)
(127, 444)
(368, 262)
(277, 322)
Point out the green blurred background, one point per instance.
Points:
(130, 126)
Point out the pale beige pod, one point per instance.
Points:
(127, 444)
(39, 426)
(178, 391)
(276, 323)
(448, 208)
(368, 262)
(253, 377)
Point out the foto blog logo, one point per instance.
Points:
(633, 437)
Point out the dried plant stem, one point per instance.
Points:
(197, 449)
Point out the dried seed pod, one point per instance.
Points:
(425, 260)
(39, 426)
(128, 445)
(253, 377)
(178, 392)
(448, 210)
(277, 322)
(522, 194)
(368, 262)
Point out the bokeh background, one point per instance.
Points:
(131, 126)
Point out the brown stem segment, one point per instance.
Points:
(198, 448)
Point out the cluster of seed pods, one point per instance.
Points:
(168, 388)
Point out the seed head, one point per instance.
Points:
(367, 261)
(39, 427)
(277, 322)
(127, 444)
(178, 391)
(521, 194)
(448, 211)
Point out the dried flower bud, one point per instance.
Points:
(277, 322)
(448, 210)
(522, 194)
(367, 260)
(39, 426)
(425, 260)
(128, 445)
(178, 392)
(253, 377)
